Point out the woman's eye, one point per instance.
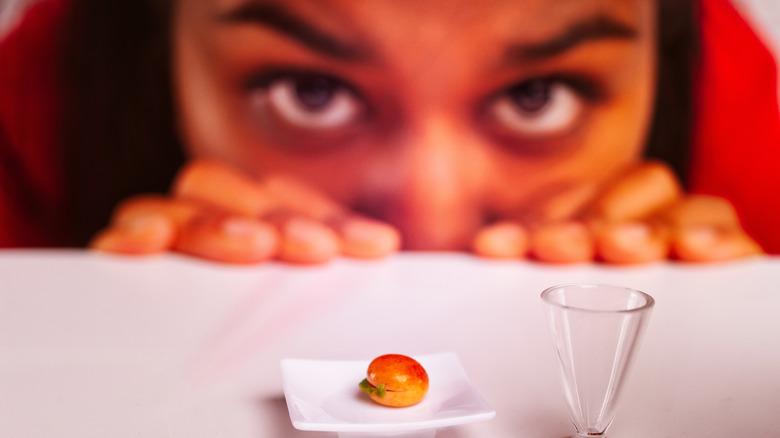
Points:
(312, 101)
(539, 107)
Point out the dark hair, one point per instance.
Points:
(118, 119)
(678, 50)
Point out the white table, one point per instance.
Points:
(101, 346)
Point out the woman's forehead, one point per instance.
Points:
(407, 29)
(535, 18)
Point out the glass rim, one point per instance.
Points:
(649, 300)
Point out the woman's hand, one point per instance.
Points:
(643, 217)
(215, 212)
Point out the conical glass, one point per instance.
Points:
(597, 330)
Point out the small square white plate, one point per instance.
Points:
(323, 395)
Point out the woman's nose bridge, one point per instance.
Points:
(436, 157)
(436, 203)
(428, 182)
(440, 173)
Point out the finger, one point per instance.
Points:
(359, 236)
(640, 193)
(708, 228)
(631, 243)
(552, 204)
(305, 241)
(201, 232)
(710, 244)
(228, 238)
(563, 204)
(506, 239)
(366, 238)
(144, 224)
(277, 196)
(299, 198)
(220, 186)
(703, 210)
(178, 211)
(150, 234)
(562, 242)
(225, 188)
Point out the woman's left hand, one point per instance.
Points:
(643, 217)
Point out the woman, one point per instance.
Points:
(317, 128)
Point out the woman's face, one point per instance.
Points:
(436, 116)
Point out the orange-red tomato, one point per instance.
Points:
(395, 380)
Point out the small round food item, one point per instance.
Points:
(395, 380)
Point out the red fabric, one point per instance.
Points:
(735, 153)
(30, 192)
(736, 146)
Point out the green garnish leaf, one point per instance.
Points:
(378, 391)
(366, 387)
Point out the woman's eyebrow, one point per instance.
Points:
(596, 28)
(286, 22)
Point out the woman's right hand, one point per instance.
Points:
(217, 213)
